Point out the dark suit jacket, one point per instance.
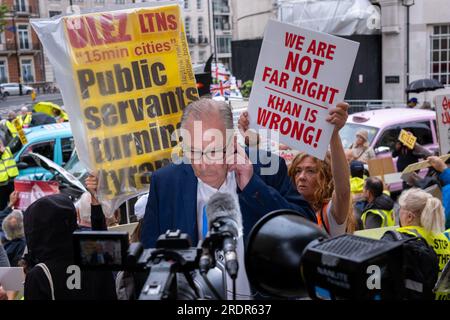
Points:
(172, 202)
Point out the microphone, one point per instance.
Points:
(225, 219)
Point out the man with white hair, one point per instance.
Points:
(14, 241)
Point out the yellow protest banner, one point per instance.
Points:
(407, 138)
(20, 132)
(134, 78)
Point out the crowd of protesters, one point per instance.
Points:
(337, 193)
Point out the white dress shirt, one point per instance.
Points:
(204, 193)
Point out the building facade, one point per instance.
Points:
(208, 26)
(208, 29)
(50, 8)
(429, 45)
(21, 57)
(250, 17)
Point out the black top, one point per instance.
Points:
(49, 224)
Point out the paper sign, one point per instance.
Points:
(125, 76)
(407, 138)
(381, 166)
(130, 227)
(31, 190)
(423, 164)
(22, 136)
(375, 233)
(443, 122)
(301, 75)
(12, 278)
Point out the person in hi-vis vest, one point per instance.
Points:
(422, 215)
(25, 117)
(8, 171)
(378, 212)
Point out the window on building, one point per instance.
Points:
(440, 54)
(199, 4)
(186, 4)
(3, 71)
(200, 27)
(100, 1)
(24, 37)
(54, 13)
(221, 23)
(223, 44)
(225, 23)
(187, 26)
(27, 70)
(201, 56)
(21, 5)
(120, 1)
(221, 6)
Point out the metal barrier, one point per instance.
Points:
(367, 105)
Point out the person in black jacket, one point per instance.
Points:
(379, 209)
(49, 224)
(408, 156)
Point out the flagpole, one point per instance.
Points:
(214, 34)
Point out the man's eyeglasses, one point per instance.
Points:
(214, 154)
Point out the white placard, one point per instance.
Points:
(12, 278)
(301, 75)
(443, 122)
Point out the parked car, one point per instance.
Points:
(383, 127)
(12, 89)
(53, 141)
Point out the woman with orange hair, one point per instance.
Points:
(326, 184)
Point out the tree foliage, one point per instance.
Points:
(3, 11)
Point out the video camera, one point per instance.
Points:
(163, 265)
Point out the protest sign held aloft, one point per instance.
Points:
(301, 74)
(442, 104)
(125, 77)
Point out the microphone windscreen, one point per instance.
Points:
(224, 205)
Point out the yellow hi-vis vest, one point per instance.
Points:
(12, 128)
(8, 167)
(356, 185)
(440, 245)
(387, 217)
(25, 121)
